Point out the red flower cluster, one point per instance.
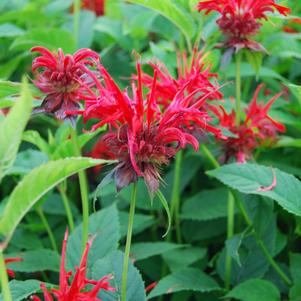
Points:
(258, 129)
(77, 290)
(97, 6)
(10, 260)
(142, 136)
(191, 76)
(64, 79)
(239, 19)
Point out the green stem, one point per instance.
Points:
(84, 191)
(5, 290)
(259, 241)
(62, 190)
(175, 197)
(128, 242)
(209, 155)
(230, 233)
(238, 87)
(47, 228)
(76, 16)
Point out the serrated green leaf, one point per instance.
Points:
(112, 264)
(206, 205)
(172, 12)
(254, 290)
(250, 178)
(143, 250)
(189, 279)
(36, 261)
(11, 129)
(104, 225)
(34, 185)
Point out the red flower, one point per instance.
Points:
(191, 76)
(64, 79)
(258, 129)
(8, 261)
(77, 290)
(141, 136)
(239, 19)
(97, 6)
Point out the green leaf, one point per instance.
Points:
(172, 12)
(35, 138)
(143, 250)
(36, 261)
(189, 279)
(249, 178)
(295, 267)
(10, 30)
(181, 258)
(34, 185)
(20, 290)
(11, 129)
(254, 290)
(165, 205)
(52, 38)
(206, 205)
(112, 264)
(104, 225)
(8, 88)
(233, 245)
(255, 60)
(296, 91)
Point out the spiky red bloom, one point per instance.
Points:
(258, 129)
(97, 6)
(10, 260)
(65, 79)
(239, 19)
(77, 291)
(141, 136)
(192, 76)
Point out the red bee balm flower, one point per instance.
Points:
(141, 136)
(98, 6)
(239, 19)
(191, 76)
(258, 129)
(77, 290)
(64, 79)
(10, 260)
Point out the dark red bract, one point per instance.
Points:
(142, 136)
(77, 290)
(97, 6)
(239, 19)
(258, 129)
(64, 79)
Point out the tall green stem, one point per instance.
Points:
(230, 233)
(47, 228)
(66, 203)
(238, 87)
(84, 191)
(4, 280)
(76, 16)
(128, 242)
(175, 197)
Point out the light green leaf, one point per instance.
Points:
(189, 279)
(112, 264)
(251, 178)
(165, 205)
(36, 261)
(254, 290)
(10, 30)
(143, 250)
(172, 12)
(206, 205)
(11, 129)
(255, 60)
(8, 88)
(34, 185)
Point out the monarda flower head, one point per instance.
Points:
(191, 75)
(142, 137)
(65, 79)
(97, 6)
(10, 272)
(258, 129)
(77, 290)
(239, 19)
